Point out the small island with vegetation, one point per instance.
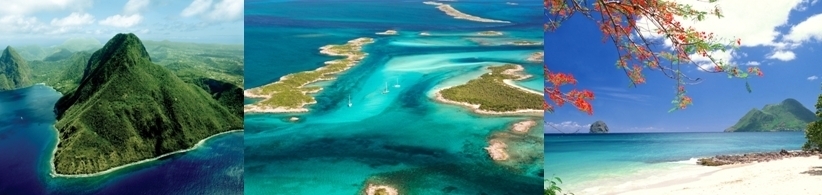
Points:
(494, 93)
(290, 93)
(448, 9)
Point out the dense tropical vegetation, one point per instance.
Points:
(814, 130)
(127, 108)
(492, 94)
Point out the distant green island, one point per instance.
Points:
(14, 70)
(292, 94)
(126, 108)
(492, 93)
(789, 115)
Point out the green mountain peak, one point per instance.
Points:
(126, 109)
(788, 115)
(14, 70)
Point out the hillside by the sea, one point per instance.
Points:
(788, 115)
(127, 109)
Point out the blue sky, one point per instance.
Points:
(781, 37)
(42, 22)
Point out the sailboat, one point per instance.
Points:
(386, 88)
(398, 83)
(349, 101)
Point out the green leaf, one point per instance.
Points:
(672, 110)
(748, 86)
(558, 179)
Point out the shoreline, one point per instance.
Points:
(475, 107)
(690, 177)
(53, 173)
(351, 50)
(795, 175)
(449, 10)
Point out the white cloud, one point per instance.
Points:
(223, 11)
(122, 21)
(74, 19)
(814, 77)
(757, 29)
(566, 126)
(752, 63)
(24, 7)
(806, 30)
(705, 63)
(782, 55)
(196, 7)
(754, 29)
(135, 6)
(20, 24)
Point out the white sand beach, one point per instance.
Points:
(794, 176)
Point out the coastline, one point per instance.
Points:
(53, 173)
(475, 107)
(351, 50)
(796, 175)
(448, 9)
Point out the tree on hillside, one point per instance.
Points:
(814, 131)
(637, 47)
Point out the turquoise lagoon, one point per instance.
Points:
(404, 138)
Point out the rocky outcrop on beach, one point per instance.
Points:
(599, 127)
(720, 160)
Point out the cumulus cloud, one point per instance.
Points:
(807, 30)
(814, 77)
(753, 63)
(705, 63)
(135, 6)
(782, 55)
(208, 10)
(566, 126)
(74, 19)
(20, 24)
(758, 29)
(122, 21)
(24, 7)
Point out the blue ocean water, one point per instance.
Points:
(587, 160)
(403, 138)
(28, 138)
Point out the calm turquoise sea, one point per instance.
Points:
(402, 138)
(589, 160)
(28, 137)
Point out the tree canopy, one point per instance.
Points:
(666, 47)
